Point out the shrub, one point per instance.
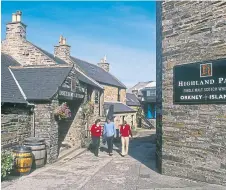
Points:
(6, 163)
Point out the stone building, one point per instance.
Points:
(191, 139)
(46, 80)
(145, 94)
(16, 112)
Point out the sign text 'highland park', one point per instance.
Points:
(200, 83)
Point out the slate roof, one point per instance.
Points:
(131, 100)
(85, 79)
(40, 83)
(98, 74)
(10, 92)
(81, 77)
(138, 86)
(118, 107)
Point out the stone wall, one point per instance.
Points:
(123, 96)
(191, 140)
(129, 117)
(111, 94)
(16, 125)
(46, 127)
(20, 49)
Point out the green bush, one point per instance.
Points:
(6, 163)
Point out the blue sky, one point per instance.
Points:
(124, 31)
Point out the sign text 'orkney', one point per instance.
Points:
(200, 83)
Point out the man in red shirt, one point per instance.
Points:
(96, 133)
(125, 131)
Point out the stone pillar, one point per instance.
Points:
(190, 138)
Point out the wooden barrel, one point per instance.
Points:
(38, 148)
(22, 160)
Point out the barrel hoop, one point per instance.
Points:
(23, 157)
(23, 167)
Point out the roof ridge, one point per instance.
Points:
(102, 69)
(40, 66)
(18, 85)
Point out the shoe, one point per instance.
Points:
(110, 154)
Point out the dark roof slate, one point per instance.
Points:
(81, 77)
(118, 107)
(85, 79)
(98, 74)
(10, 92)
(40, 83)
(132, 100)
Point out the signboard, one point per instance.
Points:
(200, 83)
(67, 94)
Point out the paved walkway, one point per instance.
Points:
(86, 172)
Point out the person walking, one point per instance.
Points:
(109, 133)
(96, 133)
(125, 131)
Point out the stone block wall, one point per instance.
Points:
(129, 117)
(20, 49)
(191, 139)
(16, 125)
(123, 96)
(25, 53)
(111, 94)
(46, 127)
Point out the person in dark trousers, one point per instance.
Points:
(109, 133)
(96, 133)
(125, 131)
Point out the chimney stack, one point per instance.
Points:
(16, 29)
(103, 64)
(63, 50)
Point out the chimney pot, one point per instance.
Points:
(14, 17)
(18, 16)
(64, 41)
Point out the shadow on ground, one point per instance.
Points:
(140, 148)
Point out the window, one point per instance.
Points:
(151, 92)
(118, 95)
(132, 121)
(96, 97)
(73, 84)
